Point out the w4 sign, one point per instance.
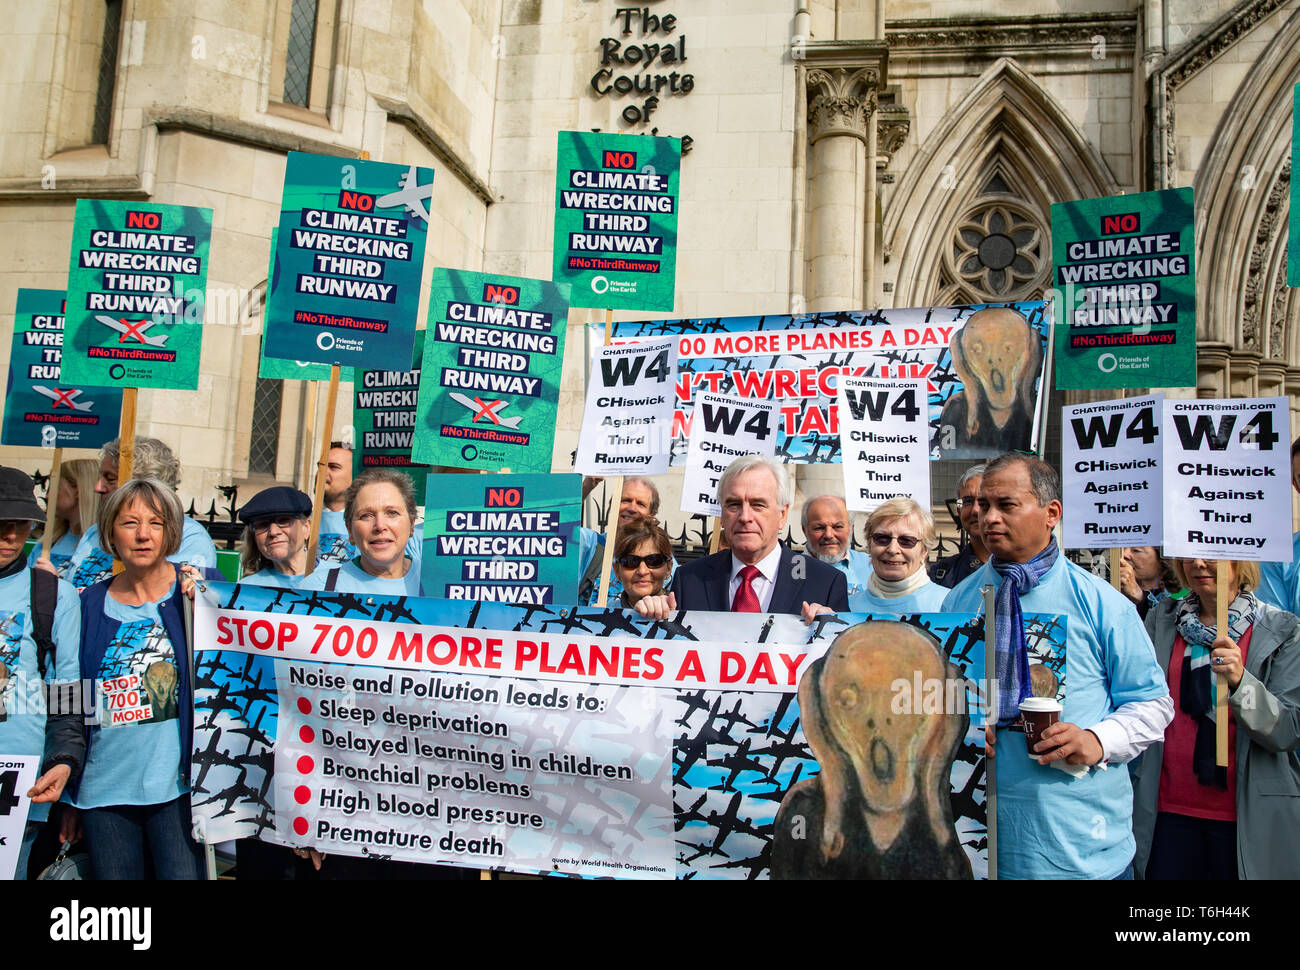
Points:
(1110, 459)
(885, 441)
(1226, 480)
(722, 428)
(628, 423)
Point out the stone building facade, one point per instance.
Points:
(842, 154)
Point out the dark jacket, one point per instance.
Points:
(703, 584)
(951, 570)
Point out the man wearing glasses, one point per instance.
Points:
(951, 570)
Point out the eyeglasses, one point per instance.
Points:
(883, 539)
(281, 522)
(966, 501)
(655, 560)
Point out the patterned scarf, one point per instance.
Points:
(1196, 695)
(1011, 661)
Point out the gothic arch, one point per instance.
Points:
(1243, 200)
(1007, 140)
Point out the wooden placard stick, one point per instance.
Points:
(51, 500)
(1221, 683)
(322, 463)
(126, 448)
(311, 393)
(715, 538)
(991, 720)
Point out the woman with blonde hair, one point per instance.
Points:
(76, 503)
(900, 533)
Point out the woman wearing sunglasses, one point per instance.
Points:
(276, 525)
(899, 534)
(643, 557)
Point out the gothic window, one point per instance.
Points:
(303, 53)
(84, 103)
(264, 444)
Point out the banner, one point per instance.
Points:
(490, 378)
(627, 425)
(40, 409)
(723, 428)
(18, 773)
(1226, 485)
(885, 440)
(135, 301)
(587, 741)
(383, 417)
(1111, 486)
(982, 365)
(348, 257)
(1125, 268)
(616, 201)
(503, 538)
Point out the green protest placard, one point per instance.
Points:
(135, 302)
(41, 409)
(345, 278)
(383, 417)
(490, 377)
(277, 368)
(616, 199)
(503, 538)
(1126, 309)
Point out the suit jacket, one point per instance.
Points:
(702, 584)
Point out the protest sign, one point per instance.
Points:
(17, 775)
(135, 301)
(348, 256)
(722, 428)
(627, 424)
(1112, 487)
(1227, 491)
(982, 365)
(503, 538)
(41, 409)
(1124, 266)
(500, 736)
(276, 368)
(495, 344)
(383, 417)
(616, 199)
(885, 441)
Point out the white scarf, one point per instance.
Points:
(887, 589)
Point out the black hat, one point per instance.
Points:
(280, 500)
(18, 496)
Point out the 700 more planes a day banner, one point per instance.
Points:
(616, 202)
(135, 301)
(982, 367)
(593, 742)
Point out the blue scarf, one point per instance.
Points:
(1011, 660)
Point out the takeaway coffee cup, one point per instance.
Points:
(1038, 713)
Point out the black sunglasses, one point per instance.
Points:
(656, 560)
(282, 522)
(883, 539)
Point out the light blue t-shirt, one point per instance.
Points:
(272, 577)
(856, 567)
(353, 579)
(1279, 582)
(928, 599)
(1051, 825)
(90, 563)
(60, 555)
(22, 728)
(135, 744)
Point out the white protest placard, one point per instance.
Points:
(1110, 459)
(627, 427)
(1227, 494)
(17, 775)
(723, 428)
(885, 440)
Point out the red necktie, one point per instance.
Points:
(746, 600)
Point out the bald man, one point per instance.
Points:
(828, 532)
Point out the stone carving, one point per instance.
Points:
(842, 101)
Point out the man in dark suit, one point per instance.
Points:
(756, 574)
